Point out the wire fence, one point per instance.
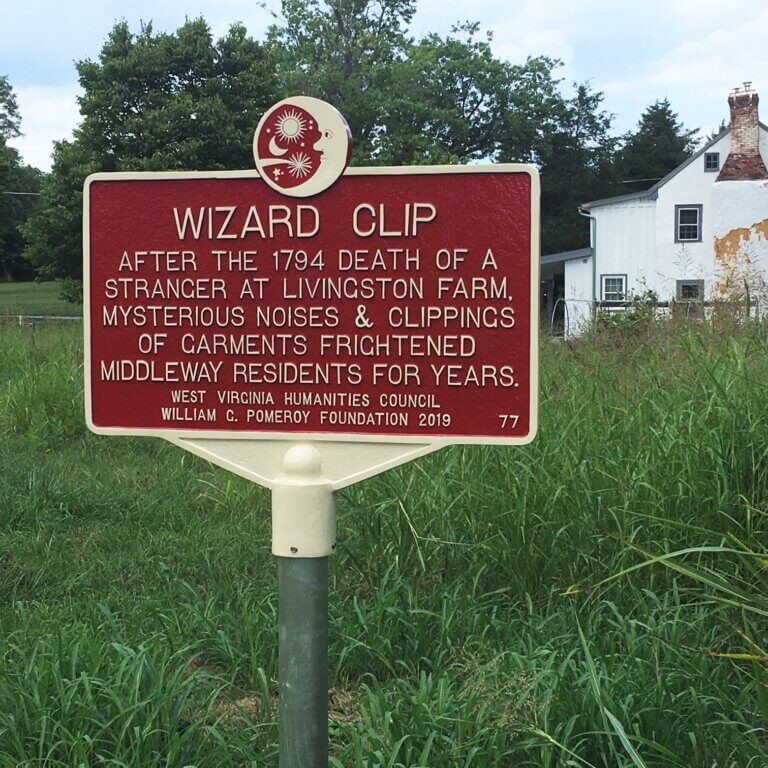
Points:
(560, 322)
(23, 320)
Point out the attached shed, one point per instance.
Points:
(566, 295)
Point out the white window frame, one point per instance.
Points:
(616, 295)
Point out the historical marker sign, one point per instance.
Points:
(397, 305)
(350, 322)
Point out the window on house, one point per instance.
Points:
(711, 161)
(690, 290)
(688, 223)
(614, 287)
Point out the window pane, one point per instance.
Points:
(613, 289)
(690, 290)
(689, 216)
(688, 223)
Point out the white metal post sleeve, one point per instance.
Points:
(303, 509)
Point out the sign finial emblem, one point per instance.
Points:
(302, 146)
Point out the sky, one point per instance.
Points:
(692, 52)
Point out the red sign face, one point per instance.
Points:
(398, 305)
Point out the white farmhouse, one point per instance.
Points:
(699, 233)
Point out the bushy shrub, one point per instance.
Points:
(638, 317)
(71, 290)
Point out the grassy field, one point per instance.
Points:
(34, 299)
(598, 598)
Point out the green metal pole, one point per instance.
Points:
(303, 538)
(303, 661)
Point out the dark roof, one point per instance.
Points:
(653, 192)
(554, 258)
(650, 194)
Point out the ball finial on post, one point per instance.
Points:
(303, 511)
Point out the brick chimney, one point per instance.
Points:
(744, 161)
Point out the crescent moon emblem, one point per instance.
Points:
(274, 149)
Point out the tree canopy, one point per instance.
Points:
(438, 99)
(576, 165)
(18, 183)
(657, 147)
(152, 101)
(157, 101)
(10, 120)
(343, 51)
(452, 100)
(446, 99)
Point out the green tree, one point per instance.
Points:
(342, 51)
(55, 233)
(576, 162)
(439, 99)
(10, 120)
(717, 132)
(657, 147)
(445, 100)
(18, 183)
(451, 100)
(152, 101)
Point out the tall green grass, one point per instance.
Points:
(597, 598)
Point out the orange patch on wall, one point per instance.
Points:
(732, 259)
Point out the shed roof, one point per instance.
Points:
(555, 258)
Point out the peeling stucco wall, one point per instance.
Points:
(741, 248)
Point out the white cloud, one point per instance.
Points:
(48, 114)
(221, 15)
(698, 73)
(519, 29)
(708, 11)
(541, 42)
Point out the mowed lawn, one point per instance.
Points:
(35, 299)
(598, 598)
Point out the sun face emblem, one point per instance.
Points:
(301, 146)
(291, 126)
